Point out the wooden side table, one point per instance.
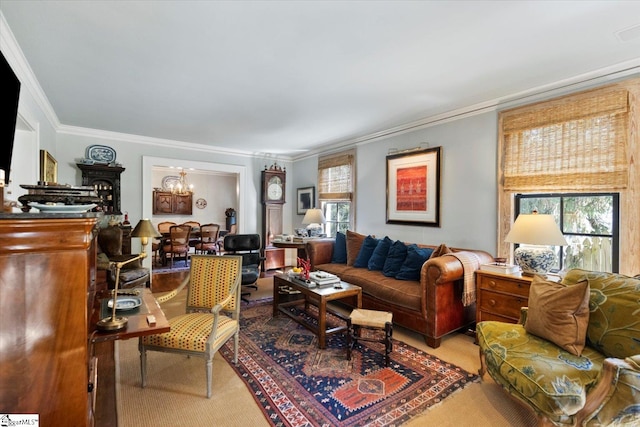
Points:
(500, 296)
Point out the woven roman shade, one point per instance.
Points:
(335, 176)
(576, 142)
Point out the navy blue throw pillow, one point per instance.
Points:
(366, 250)
(339, 249)
(395, 257)
(412, 265)
(379, 256)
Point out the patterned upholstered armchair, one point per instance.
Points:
(212, 313)
(598, 387)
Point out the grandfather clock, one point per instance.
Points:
(273, 197)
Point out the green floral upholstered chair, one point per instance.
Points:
(212, 313)
(596, 385)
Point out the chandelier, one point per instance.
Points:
(182, 187)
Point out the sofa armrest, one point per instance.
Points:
(441, 269)
(319, 252)
(614, 397)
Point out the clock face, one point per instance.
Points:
(274, 191)
(273, 187)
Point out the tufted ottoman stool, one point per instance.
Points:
(371, 319)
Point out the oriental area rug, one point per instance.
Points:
(297, 384)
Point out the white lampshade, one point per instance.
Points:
(536, 229)
(313, 216)
(540, 230)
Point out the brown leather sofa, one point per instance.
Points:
(432, 306)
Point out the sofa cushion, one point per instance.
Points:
(379, 256)
(366, 250)
(339, 255)
(442, 249)
(403, 293)
(614, 311)
(538, 371)
(559, 313)
(395, 257)
(412, 265)
(354, 243)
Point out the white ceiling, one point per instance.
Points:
(285, 77)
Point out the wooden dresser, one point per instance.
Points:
(47, 285)
(500, 296)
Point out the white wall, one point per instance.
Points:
(468, 205)
(467, 184)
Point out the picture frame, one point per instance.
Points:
(48, 168)
(306, 199)
(413, 187)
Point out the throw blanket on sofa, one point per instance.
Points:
(470, 263)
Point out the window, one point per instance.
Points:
(337, 215)
(589, 222)
(580, 145)
(335, 191)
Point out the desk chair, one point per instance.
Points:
(247, 246)
(131, 275)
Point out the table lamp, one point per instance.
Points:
(538, 232)
(145, 229)
(314, 218)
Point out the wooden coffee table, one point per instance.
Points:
(319, 298)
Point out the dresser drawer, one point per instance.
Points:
(485, 315)
(510, 286)
(503, 304)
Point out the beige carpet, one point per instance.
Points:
(176, 388)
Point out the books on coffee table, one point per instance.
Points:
(323, 278)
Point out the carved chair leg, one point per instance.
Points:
(482, 369)
(388, 333)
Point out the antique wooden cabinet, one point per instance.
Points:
(168, 203)
(47, 286)
(106, 180)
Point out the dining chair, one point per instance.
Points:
(178, 243)
(212, 314)
(156, 245)
(208, 241)
(195, 229)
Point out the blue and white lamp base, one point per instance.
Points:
(534, 259)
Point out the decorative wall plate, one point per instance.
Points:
(201, 203)
(101, 154)
(170, 180)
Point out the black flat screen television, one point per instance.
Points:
(10, 95)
